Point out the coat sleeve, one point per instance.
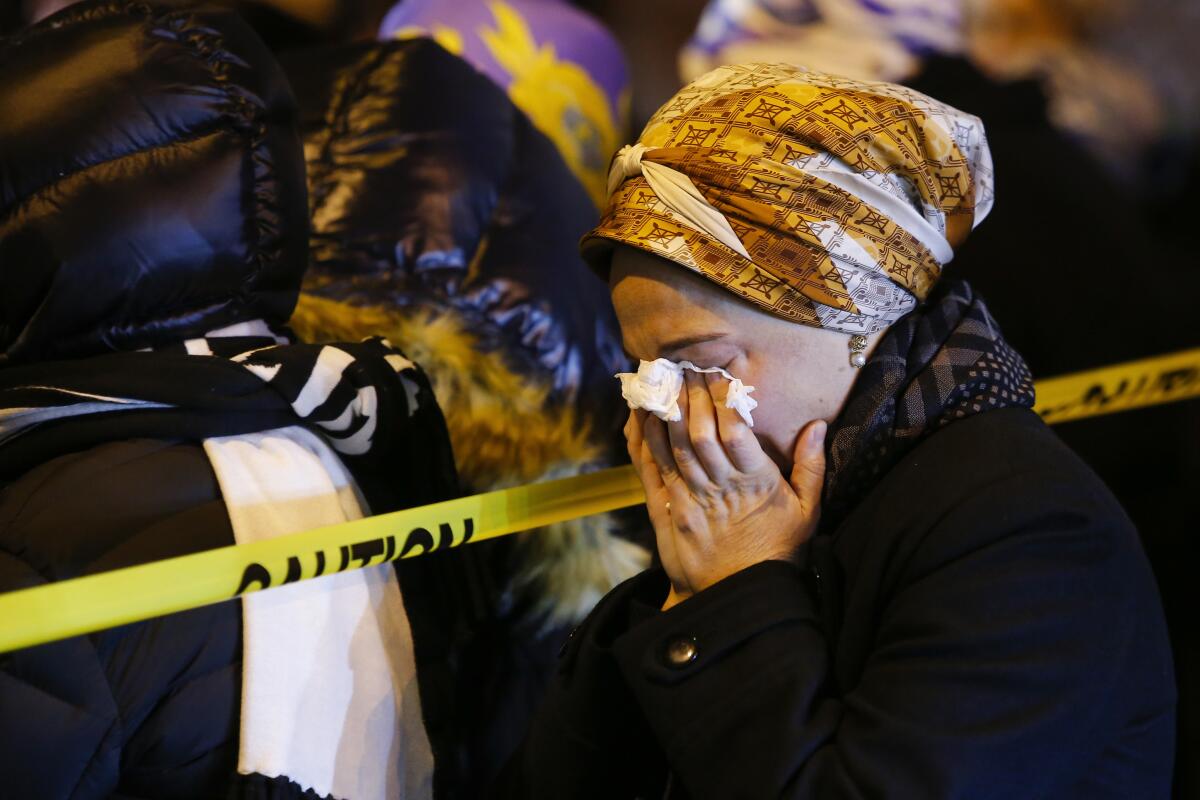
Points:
(994, 656)
(993, 667)
(144, 709)
(58, 718)
(589, 739)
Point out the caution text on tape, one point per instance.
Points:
(107, 599)
(1121, 387)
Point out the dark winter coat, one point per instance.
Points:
(151, 190)
(144, 710)
(982, 625)
(430, 190)
(1060, 324)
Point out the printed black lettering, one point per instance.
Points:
(1095, 395)
(417, 537)
(254, 573)
(1176, 379)
(365, 551)
(446, 533)
(445, 536)
(293, 573)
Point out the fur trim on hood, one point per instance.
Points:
(504, 433)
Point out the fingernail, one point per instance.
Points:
(816, 435)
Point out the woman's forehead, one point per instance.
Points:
(659, 304)
(640, 279)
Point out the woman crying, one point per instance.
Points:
(885, 577)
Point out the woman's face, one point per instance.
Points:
(800, 373)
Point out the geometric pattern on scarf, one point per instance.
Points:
(942, 363)
(773, 148)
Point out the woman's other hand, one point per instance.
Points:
(717, 502)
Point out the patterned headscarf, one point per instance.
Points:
(826, 201)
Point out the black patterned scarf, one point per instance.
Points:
(373, 406)
(945, 361)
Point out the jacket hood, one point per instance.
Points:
(151, 181)
(430, 188)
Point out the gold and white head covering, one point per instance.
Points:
(826, 201)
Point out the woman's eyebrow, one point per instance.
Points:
(679, 343)
(683, 342)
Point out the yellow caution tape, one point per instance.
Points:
(107, 599)
(1121, 387)
(83, 605)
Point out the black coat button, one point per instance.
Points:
(681, 651)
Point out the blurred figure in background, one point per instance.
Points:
(443, 216)
(1104, 85)
(557, 64)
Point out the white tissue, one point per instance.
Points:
(656, 385)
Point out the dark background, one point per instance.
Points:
(1084, 263)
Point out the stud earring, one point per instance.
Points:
(858, 344)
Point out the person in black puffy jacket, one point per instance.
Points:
(153, 229)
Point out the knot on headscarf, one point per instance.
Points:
(826, 201)
(626, 163)
(676, 191)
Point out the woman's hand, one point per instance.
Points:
(717, 502)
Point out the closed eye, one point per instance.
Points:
(673, 348)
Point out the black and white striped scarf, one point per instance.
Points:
(361, 397)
